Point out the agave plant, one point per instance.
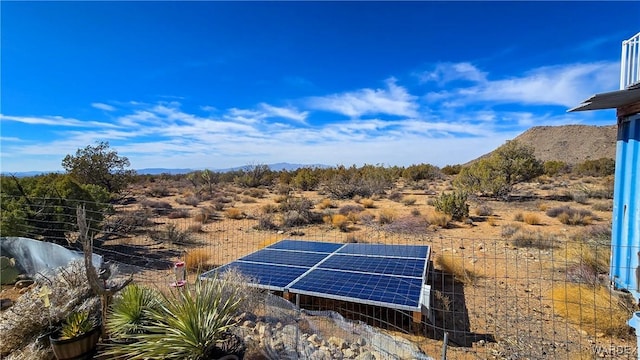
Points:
(190, 323)
(130, 312)
(76, 324)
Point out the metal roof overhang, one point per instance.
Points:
(610, 100)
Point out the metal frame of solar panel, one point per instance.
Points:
(376, 274)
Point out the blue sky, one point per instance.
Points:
(223, 84)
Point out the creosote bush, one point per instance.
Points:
(453, 204)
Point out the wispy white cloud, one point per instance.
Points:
(563, 85)
(53, 121)
(103, 106)
(394, 100)
(284, 112)
(446, 72)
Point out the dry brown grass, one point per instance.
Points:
(454, 264)
(234, 213)
(340, 222)
(326, 204)
(198, 259)
(368, 203)
(531, 218)
(594, 309)
(437, 218)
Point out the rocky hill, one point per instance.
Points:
(571, 143)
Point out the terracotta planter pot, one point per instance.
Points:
(80, 347)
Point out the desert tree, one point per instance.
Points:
(495, 175)
(99, 165)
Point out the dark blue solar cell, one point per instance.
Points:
(414, 251)
(302, 245)
(378, 265)
(294, 258)
(363, 288)
(266, 275)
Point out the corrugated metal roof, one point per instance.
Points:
(610, 100)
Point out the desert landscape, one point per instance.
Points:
(517, 271)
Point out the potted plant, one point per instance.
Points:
(77, 338)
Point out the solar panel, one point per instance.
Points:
(372, 289)
(301, 245)
(295, 258)
(413, 251)
(376, 265)
(272, 277)
(376, 274)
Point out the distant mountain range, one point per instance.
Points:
(158, 171)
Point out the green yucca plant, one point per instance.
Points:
(188, 324)
(130, 312)
(76, 324)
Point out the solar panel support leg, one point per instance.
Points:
(416, 322)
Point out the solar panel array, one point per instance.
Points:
(375, 274)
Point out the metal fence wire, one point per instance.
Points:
(521, 295)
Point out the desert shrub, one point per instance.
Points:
(555, 167)
(409, 201)
(593, 309)
(492, 221)
(348, 209)
(265, 222)
(366, 218)
(437, 218)
(189, 200)
(531, 218)
(407, 225)
(415, 212)
(533, 239)
(519, 216)
(159, 191)
(198, 259)
(255, 193)
(591, 247)
(155, 204)
(395, 196)
(248, 200)
(597, 168)
(570, 216)
(603, 206)
(179, 214)
(293, 218)
(269, 209)
(386, 216)
(582, 274)
(454, 204)
(171, 234)
(234, 213)
(326, 204)
(509, 230)
(368, 203)
(202, 216)
(508, 165)
(451, 169)
(421, 172)
(454, 264)
(575, 218)
(484, 210)
(341, 222)
(580, 197)
(218, 206)
(222, 200)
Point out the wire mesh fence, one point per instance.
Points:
(524, 294)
